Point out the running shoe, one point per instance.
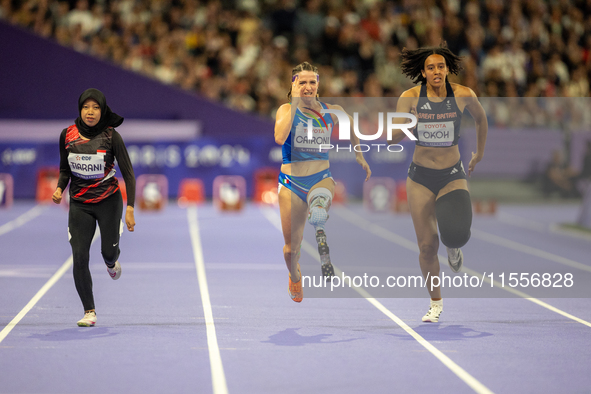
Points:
(88, 320)
(435, 310)
(455, 258)
(295, 289)
(115, 272)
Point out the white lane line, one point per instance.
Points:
(471, 381)
(215, 359)
(519, 221)
(507, 243)
(395, 238)
(525, 295)
(58, 274)
(448, 362)
(22, 219)
(542, 227)
(569, 232)
(25, 272)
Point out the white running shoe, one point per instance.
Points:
(88, 320)
(455, 259)
(435, 310)
(115, 272)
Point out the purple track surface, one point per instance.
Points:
(151, 331)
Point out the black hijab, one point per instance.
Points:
(108, 117)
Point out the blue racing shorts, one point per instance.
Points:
(301, 185)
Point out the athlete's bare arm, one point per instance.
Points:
(407, 103)
(283, 122)
(286, 113)
(471, 103)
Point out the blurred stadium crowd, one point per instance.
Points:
(241, 52)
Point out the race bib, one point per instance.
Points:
(436, 133)
(87, 166)
(320, 136)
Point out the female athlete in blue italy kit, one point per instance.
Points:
(436, 186)
(306, 186)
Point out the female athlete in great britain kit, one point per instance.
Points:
(436, 187)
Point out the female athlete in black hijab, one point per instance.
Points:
(88, 150)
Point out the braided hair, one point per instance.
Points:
(413, 61)
(305, 66)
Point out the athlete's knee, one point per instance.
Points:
(429, 248)
(454, 217)
(291, 250)
(81, 261)
(319, 201)
(79, 253)
(110, 256)
(80, 266)
(110, 251)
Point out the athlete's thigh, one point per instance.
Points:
(327, 183)
(109, 221)
(293, 213)
(81, 226)
(421, 202)
(458, 184)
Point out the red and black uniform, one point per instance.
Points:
(89, 166)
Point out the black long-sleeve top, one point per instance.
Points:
(89, 164)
